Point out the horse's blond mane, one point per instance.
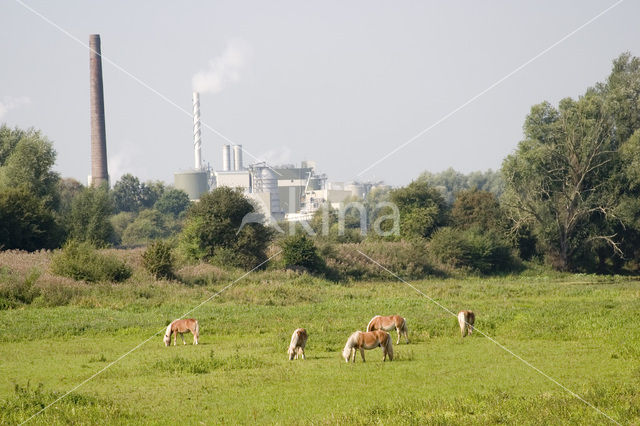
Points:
(168, 332)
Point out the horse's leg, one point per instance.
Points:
(175, 338)
(354, 351)
(399, 330)
(302, 353)
(361, 354)
(195, 338)
(182, 337)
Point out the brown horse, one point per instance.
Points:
(298, 342)
(368, 340)
(466, 320)
(182, 326)
(389, 323)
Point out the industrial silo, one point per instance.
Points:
(193, 182)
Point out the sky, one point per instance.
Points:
(369, 90)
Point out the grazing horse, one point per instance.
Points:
(389, 323)
(466, 320)
(298, 341)
(182, 326)
(368, 340)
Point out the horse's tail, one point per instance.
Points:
(405, 329)
(197, 330)
(389, 347)
(370, 326)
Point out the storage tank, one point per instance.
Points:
(237, 157)
(193, 182)
(226, 158)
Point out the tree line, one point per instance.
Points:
(568, 196)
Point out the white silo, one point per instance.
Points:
(226, 158)
(237, 157)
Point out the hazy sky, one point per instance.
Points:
(341, 83)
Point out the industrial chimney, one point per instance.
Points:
(237, 157)
(197, 135)
(226, 158)
(99, 173)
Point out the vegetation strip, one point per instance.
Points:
(151, 337)
(497, 343)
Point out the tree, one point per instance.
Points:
(90, 213)
(148, 226)
(558, 181)
(422, 208)
(173, 201)
(26, 159)
(298, 251)
(127, 194)
(214, 230)
(477, 207)
(26, 223)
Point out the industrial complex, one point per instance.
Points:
(286, 192)
(282, 192)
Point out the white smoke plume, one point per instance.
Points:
(223, 69)
(8, 103)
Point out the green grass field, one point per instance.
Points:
(583, 331)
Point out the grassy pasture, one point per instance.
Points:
(583, 331)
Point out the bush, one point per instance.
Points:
(298, 251)
(481, 251)
(215, 230)
(158, 260)
(81, 261)
(407, 260)
(14, 292)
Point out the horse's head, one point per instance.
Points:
(167, 339)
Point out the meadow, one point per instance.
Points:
(581, 330)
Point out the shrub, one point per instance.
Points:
(473, 248)
(298, 251)
(14, 292)
(81, 261)
(215, 229)
(407, 260)
(158, 260)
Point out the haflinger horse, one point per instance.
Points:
(466, 320)
(180, 326)
(368, 340)
(298, 342)
(389, 323)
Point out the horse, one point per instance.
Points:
(182, 326)
(466, 320)
(368, 340)
(389, 323)
(298, 342)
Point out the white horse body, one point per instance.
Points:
(298, 342)
(466, 319)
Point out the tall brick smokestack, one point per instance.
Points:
(99, 173)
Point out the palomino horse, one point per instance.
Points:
(298, 341)
(389, 323)
(466, 320)
(182, 326)
(368, 340)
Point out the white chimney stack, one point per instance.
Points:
(226, 158)
(197, 136)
